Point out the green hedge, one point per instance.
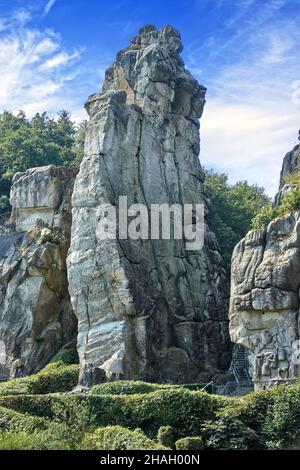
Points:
(119, 438)
(274, 415)
(67, 354)
(269, 419)
(190, 443)
(131, 387)
(12, 420)
(56, 377)
(185, 411)
(126, 387)
(229, 433)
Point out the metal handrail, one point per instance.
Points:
(207, 385)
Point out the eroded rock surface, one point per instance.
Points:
(291, 164)
(146, 309)
(36, 317)
(264, 306)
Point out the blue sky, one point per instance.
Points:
(53, 54)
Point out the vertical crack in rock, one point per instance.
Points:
(156, 311)
(265, 283)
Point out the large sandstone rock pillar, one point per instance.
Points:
(147, 309)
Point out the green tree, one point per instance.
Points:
(232, 209)
(264, 217)
(43, 140)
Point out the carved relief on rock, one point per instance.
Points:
(264, 306)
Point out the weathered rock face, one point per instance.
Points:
(36, 316)
(43, 193)
(264, 306)
(146, 309)
(291, 164)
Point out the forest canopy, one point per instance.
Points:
(233, 207)
(43, 140)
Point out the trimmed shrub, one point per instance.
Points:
(282, 421)
(185, 411)
(166, 436)
(11, 420)
(12, 440)
(190, 443)
(65, 431)
(251, 409)
(56, 377)
(229, 433)
(119, 438)
(126, 387)
(67, 354)
(131, 387)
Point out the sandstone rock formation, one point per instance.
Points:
(36, 316)
(291, 164)
(146, 309)
(265, 286)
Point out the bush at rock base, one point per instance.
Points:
(120, 438)
(131, 387)
(228, 432)
(182, 409)
(56, 377)
(190, 443)
(166, 436)
(67, 354)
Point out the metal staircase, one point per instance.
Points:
(239, 369)
(241, 383)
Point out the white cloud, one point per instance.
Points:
(250, 121)
(36, 72)
(59, 60)
(50, 4)
(246, 141)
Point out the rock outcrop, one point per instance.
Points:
(36, 317)
(265, 287)
(147, 309)
(291, 164)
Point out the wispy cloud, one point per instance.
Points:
(50, 4)
(59, 60)
(36, 71)
(250, 121)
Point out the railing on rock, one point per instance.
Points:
(241, 383)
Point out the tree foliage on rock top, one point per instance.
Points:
(232, 209)
(290, 203)
(27, 143)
